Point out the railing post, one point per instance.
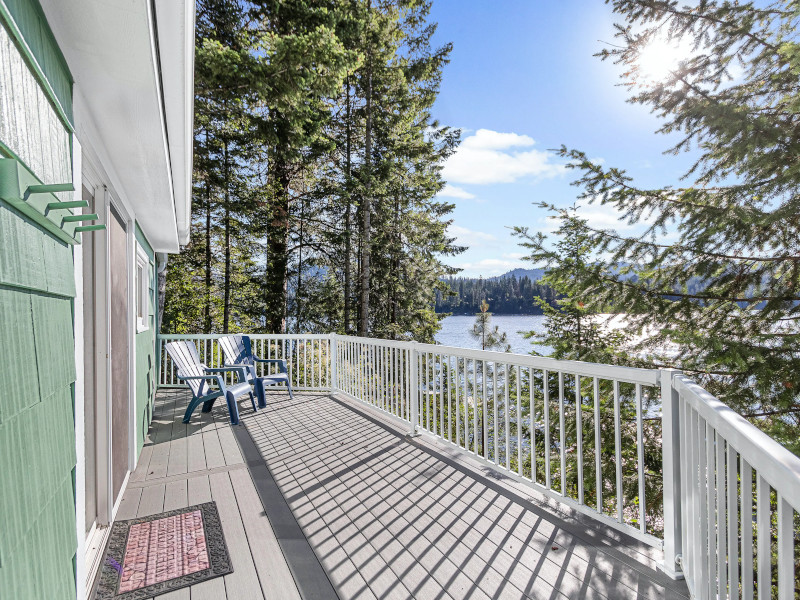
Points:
(413, 399)
(333, 349)
(671, 469)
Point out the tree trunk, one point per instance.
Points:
(348, 249)
(395, 275)
(208, 258)
(297, 294)
(366, 233)
(227, 290)
(277, 249)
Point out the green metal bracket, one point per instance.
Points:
(78, 218)
(83, 228)
(25, 193)
(48, 188)
(65, 205)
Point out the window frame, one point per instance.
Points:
(142, 283)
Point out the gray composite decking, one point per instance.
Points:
(321, 496)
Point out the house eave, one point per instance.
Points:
(133, 63)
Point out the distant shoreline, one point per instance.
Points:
(494, 314)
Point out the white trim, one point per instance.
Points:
(132, 243)
(79, 389)
(95, 542)
(142, 292)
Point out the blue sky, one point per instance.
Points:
(523, 80)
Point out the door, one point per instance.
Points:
(120, 343)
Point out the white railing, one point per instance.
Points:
(307, 358)
(522, 415)
(721, 453)
(646, 452)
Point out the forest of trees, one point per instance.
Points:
(505, 296)
(317, 163)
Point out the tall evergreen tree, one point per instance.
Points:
(306, 65)
(726, 292)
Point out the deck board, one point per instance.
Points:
(386, 516)
(408, 519)
(183, 465)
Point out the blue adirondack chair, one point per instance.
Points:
(197, 376)
(239, 353)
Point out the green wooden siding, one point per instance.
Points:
(146, 364)
(30, 129)
(37, 435)
(28, 26)
(37, 289)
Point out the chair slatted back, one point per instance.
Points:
(238, 351)
(184, 355)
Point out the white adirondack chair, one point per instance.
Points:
(197, 377)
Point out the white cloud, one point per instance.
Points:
(486, 139)
(452, 191)
(492, 157)
(489, 267)
(468, 237)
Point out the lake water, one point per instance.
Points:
(456, 330)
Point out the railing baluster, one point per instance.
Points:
(763, 539)
(532, 419)
(722, 552)
(618, 451)
(474, 407)
(547, 446)
(598, 471)
(562, 445)
(519, 421)
(495, 436)
(733, 524)
(711, 525)
(686, 463)
(640, 457)
(703, 506)
(786, 574)
(579, 434)
(747, 530)
(506, 384)
(449, 400)
(485, 433)
(441, 395)
(457, 384)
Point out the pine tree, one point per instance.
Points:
(573, 327)
(726, 292)
(491, 338)
(305, 63)
(203, 292)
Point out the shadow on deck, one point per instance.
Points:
(320, 497)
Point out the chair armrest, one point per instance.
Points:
(216, 378)
(276, 361)
(239, 370)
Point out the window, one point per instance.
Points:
(142, 289)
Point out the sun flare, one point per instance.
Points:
(660, 57)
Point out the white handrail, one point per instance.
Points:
(720, 454)
(614, 372)
(776, 464)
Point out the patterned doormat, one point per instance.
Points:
(154, 555)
